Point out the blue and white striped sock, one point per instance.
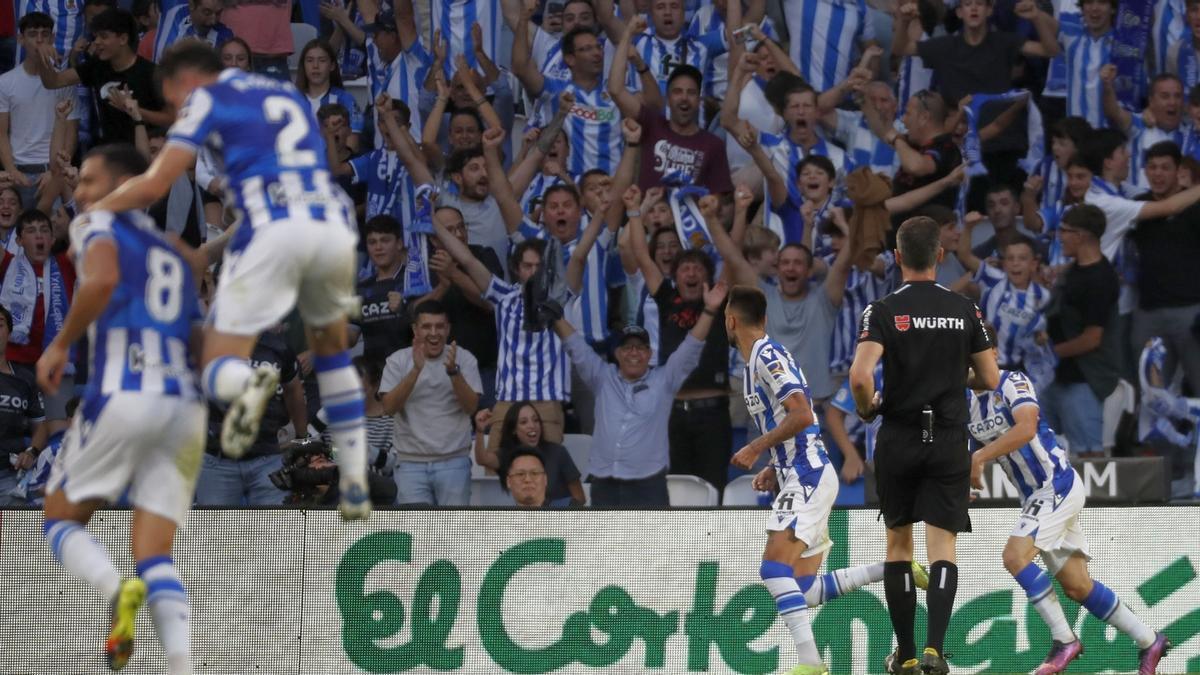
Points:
(83, 556)
(169, 608)
(345, 410)
(819, 590)
(1043, 598)
(789, 600)
(1106, 606)
(225, 378)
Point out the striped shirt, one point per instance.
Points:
(1039, 463)
(140, 341)
(594, 293)
(537, 187)
(645, 310)
(862, 288)
(530, 366)
(824, 38)
(864, 148)
(771, 376)
(335, 95)
(1182, 61)
(402, 79)
(1169, 26)
(1054, 182)
(175, 24)
(913, 77)
(1085, 55)
(709, 25)
(454, 19)
(1070, 25)
(593, 127)
(662, 55)
(785, 155)
(1015, 313)
(1141, 138)
(390, 188)
(68, 21)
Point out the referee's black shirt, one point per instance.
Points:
(928, 335)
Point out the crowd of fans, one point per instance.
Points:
(555, 195)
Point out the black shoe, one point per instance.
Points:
(893, 666)
(933, 664)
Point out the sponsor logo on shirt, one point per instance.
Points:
(987, 427)
(594, 114)
(903, 322)
(669, 158)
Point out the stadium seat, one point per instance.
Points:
(740, 492)
(579, 446)
(690, 491)
(302, 34)
(486, 491)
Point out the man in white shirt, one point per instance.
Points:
(27, 114)
(432, 390)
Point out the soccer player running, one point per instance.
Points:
(137, 302)
(926, 336)
(294, 246)
(777, 396)
(1007, 422)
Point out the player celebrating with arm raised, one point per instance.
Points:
(295, 246)
(137, 302)
(777, 397)
(1007, 422)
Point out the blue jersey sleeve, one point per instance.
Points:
(362, 167)
(195, 121)
(780, 377)
(1017, 390)
(89, 227)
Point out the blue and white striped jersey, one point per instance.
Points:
(709, 25)
(593, 126)
(1085, 55)
(530, 366)
(864, 148)
(862, 288)
(645, 310)
(1141, 137)
(454, 18)
(771, 376)
(402, 79)
(1070, 25)
(537, 187)
(594, 291)
(662, 56)
(1035, 465)
(1054, 182)
(1016, 314)
(68, 21)
(785, 155)
(140, 342)
(1169, 25)
(175, 24)
(860, 431)
(390, 188)
(264, 135)
(825, 36)
(335, 95)
(913, 77)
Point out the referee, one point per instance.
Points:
(926, 336)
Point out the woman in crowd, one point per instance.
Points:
(522, 427)
(320, 79)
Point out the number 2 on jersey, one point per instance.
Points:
(164, 285)
(280, 109)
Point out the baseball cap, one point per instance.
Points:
(632, 332)
(384, 21)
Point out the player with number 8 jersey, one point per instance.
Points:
(294, 245)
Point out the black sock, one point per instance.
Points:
(943, 584)
(901, 594)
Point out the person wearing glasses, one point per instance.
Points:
(524, 475)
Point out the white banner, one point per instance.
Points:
(567, 592)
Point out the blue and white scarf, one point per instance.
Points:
(416, 240)
(689, 223)
(1133, 23)
(972, 145)
(19, 295)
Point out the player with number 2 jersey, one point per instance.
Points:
(294, 245)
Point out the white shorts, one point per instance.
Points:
(304, 262)
(804, 507)
(1053, 523)
(149, 443)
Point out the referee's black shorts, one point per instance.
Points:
(917, 482)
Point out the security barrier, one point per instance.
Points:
(275, 591)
